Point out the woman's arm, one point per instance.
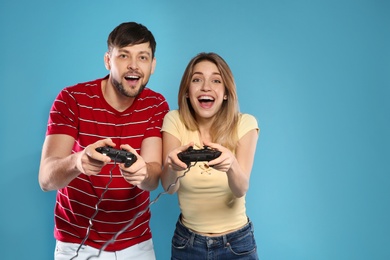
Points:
(238, 168)
(173, 166)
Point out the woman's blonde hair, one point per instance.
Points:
(224, 127)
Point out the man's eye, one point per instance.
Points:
(143, 58)
(123, 56)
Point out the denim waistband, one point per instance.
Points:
(213, 240)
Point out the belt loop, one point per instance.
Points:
(251, 226)
(225, 240)
(192, 238)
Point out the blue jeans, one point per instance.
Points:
(240, 244)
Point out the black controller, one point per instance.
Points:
(121, 156)
(192, 155)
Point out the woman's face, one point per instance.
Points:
(207, 90)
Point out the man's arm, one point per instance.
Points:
(151, 152)
(59, 166)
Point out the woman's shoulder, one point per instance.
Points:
(173, 114)
(247, 122)
(172, 118)
(247, 118)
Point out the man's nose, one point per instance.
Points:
(132, 64)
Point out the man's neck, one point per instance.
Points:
(114, 98)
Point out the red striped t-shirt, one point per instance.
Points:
(81, 112)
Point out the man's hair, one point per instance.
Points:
(130, 33)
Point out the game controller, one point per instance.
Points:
(121, 156)
(198, 155)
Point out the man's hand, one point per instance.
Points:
(91, 162)
(137, 172)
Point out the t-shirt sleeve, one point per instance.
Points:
(157, 117)
(247, 123)
(63, 117)
(171, 124)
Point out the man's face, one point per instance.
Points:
(130, 68)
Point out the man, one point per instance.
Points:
(97, 197)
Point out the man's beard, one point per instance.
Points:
(122, 90)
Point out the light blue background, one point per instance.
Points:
(316, 74)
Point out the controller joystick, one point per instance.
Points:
(120, 156)
(198, 155)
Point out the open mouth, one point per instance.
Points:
(132, 79)
(206, 101)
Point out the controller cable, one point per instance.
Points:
(96, 211)
(112, 240)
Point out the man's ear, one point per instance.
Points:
(153, 65)
(107, 61)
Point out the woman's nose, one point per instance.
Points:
(206, 86)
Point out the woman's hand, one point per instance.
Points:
(224, 162)
(173, 161)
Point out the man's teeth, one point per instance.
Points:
(132, 77)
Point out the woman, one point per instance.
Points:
(213, 220)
